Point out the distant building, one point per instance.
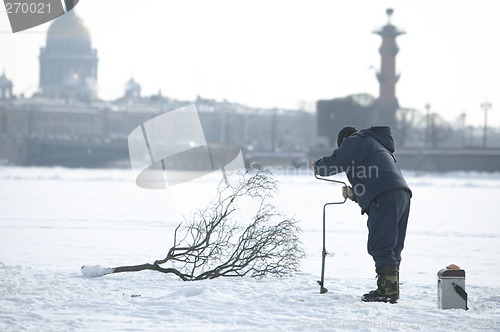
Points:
(332, 115)
(5, 87)
(68, 63)
(132, 89)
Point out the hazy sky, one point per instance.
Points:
(280, 53)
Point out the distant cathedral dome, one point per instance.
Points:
(132, 89)
(68, 63)
(68, 27)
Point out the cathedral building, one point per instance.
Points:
(68, 63)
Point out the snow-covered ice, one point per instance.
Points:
(53, 221)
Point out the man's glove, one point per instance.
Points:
(347, 192)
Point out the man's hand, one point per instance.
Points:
(347, 192)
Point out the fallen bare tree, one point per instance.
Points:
(213, 245)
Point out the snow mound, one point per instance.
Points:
(95, 271)
(189, 291)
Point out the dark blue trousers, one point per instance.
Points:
(387, 220)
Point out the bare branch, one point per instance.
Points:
(214, 245)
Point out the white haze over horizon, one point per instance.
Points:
(284, 54)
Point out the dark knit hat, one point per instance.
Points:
(344, 133)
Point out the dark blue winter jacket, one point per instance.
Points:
(366, 158)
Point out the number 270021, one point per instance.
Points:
(27, 8)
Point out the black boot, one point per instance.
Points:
(387, 286)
